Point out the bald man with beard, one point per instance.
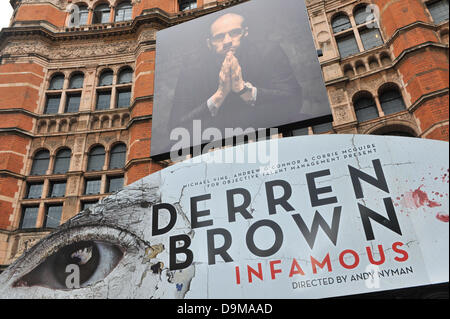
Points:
(237, 84)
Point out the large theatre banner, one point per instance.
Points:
(249, 67)
(334, 215)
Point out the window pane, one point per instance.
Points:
(103, 100)
(398, 133)
(53, 216)
(438, 10)
(52, 105)
(123, 98)
(366, 114)
(106, 78)
(322, 128)
(40, 163)
(73, 103)
(115, 184)
(92, 186)
(57, 82)
(341, 23)
(187, 4)
(101, 14)
(84, 14)
(123, 12)
(96, 159)
(35, 190)
(62, 162)
(76, 81)
(126, 76)
(118, 156)
(86, 205)
(392, 102)
(29, 217)
(371, 38)
(365, 109)
(347, 45)
(57, 189)
(363, 15)
(301, 131)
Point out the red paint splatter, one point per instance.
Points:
(418, 198)
(421, 199)
(442, 217)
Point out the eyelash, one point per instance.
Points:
(65, 237)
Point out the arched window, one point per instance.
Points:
(346, 42)
(123, 90)
(369, 32)
(362, 14)
(62, 161)
(96, 159)
(118, 156)
(57, 82)
(340, 23)
(187, 4)
(40, 163)
(104, 94)
(84, 14)
(106, 78)
(395, 130)
(365, 108)
(76, 81)
(398, 133)
(438, 10)
(101, 14)
(125, 76)
(391, 100)
(53, 98)
(124, 11)
(73, 98)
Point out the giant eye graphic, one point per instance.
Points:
(77, 265)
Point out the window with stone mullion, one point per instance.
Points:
(439, 10)
(124, 12)
(52, 103)
(347, 44)
(35, 190)
(53, 216)
(29, 217)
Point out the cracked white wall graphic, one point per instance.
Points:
(270, 254)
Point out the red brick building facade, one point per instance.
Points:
(76, 102)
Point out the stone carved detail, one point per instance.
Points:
(26, 243)
(337, 96)
(147, 35)
(341, 114)
(61, 4)
(69, 51)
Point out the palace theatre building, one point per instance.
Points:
(76, 101)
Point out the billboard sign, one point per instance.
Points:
(235, 71)
(337, 215)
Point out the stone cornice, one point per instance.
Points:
(17, 110)
(423, 98)
(154, 18)
(6, 172)
(16, 131)
(416, 24)
(394, 63)
(420, 46)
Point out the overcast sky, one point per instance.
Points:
(5, 13)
